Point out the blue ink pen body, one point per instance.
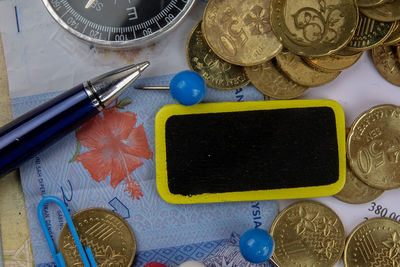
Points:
(37, 129)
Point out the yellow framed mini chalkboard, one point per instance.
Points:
(246, 151)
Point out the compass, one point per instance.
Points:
(118, 23)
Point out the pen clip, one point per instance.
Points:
(86, 254)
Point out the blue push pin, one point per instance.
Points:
(187, 87)
(257, 246)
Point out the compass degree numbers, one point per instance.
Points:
(117, 20)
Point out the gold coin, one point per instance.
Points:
(270, 81)
(332, 62)
(110, 238)
(370, 33)
(308, 233)
(394, 37)
(373, 243)
(300, 72)
(314, 27)
(357, 192)
(371, 3)
(386, 62)
(346, 52)
(217, 73)
(398, 54)
(239, 31)
(373, 147)
(389, 11)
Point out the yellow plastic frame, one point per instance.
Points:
(286, 193)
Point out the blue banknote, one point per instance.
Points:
(79, 170)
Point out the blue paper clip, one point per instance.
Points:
(86, 254)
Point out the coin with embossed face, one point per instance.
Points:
(394, 37)
(373, 147)
(389, 11)
(239, 31)
(110, 238)
(374, 243)
(386, 62)
(357, 192)
(333, 62)
(314, 27)
(308, 233)
(300, 72)
(217, 73)
(269, 80)
(370, 33)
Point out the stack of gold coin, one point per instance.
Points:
(373, 153)
(284, 47)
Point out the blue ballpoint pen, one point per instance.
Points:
(37, 129)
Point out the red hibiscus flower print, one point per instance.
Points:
(116, 148)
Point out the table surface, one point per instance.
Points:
(15, 236)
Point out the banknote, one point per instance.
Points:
(77, 170)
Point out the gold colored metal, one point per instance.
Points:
(371, 3)
(386, 62)
(110, 238)
(373, 147)
(346, 52)
(270, 81)
(217, 73)
(373, 243)
(300, 72)
(314, 27)
(333, 62)
(239, 31)
(308, 233)
(394, 38)
(390, 11)
(357, 192)
(370, 33)
(397, 53)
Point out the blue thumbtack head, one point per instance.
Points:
(187, 87)
(86, 254)
(256, 245)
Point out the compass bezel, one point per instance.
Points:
(140, 41)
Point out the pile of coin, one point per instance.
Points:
(284, 47)
(373, 152)
(309, 233)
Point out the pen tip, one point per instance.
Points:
(142, 66)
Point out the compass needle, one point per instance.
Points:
(118, 23)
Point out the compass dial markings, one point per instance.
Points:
(90, 18)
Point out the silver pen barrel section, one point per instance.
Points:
(103, 90)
